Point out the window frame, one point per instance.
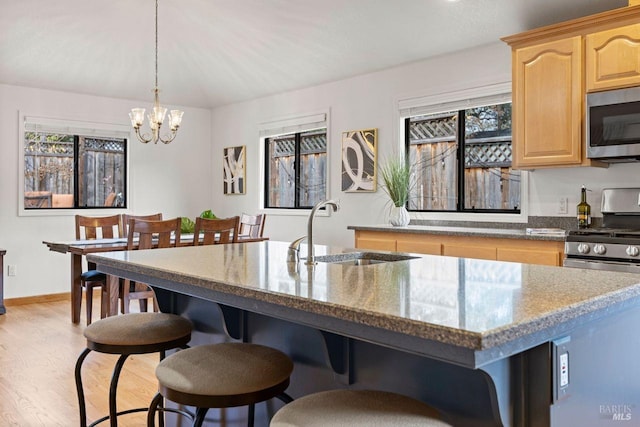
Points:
(460, 153)
(76, 127)
(298, 123)
(456, 100)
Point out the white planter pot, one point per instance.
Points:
(399, 217)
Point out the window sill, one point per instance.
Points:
(293, 212)
(522, 217)
(70, 212)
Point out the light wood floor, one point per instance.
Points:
(38, 350)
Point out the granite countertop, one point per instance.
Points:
(504, 233)
(489, 309)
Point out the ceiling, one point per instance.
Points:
(216, 52)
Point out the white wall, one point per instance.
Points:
(369, 101)
(174, 179)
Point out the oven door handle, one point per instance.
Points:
(601, 265)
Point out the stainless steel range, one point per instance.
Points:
(615, 246)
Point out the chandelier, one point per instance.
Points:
(156, 118)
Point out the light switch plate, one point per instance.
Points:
(563, 207)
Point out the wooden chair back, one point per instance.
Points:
(216, 231)
(126, 218)
(252, 225)
(106, 227)
(110, 199)
(154, 234)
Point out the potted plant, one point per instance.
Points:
(395, 174)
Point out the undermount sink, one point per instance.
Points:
(362, 258)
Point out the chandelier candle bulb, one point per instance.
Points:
(175, 117)
(137, 117)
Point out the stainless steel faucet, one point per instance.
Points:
(294, 248)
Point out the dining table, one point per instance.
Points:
(82, 247)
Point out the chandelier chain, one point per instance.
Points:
(156, 44)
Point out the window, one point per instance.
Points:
(295, 162)
(72, 167)
(461, 157)
(296, 169)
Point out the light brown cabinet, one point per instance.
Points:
(550, 67)
(613, 58)
(544, 252)
(547, 104)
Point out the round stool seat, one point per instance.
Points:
(224, 375)
(356, 408)
(138, 333)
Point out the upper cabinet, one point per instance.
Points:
(547, 104)
(613, 58)
(553, 68)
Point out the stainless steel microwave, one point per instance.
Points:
(613, 125)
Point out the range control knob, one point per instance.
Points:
(633, 251)
(583, 248)
(599, 249)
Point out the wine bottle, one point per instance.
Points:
(584, 210)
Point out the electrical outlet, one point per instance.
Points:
(562, 205)
(12, 270)
(561, 371)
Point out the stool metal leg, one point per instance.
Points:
(153, 408)
(113, 413)
(252, 415)
(79, 389)
(285, 397)
(200, 414)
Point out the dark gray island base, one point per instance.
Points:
(485, 342)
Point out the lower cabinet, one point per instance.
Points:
(543, 252)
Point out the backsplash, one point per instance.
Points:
(564, 222)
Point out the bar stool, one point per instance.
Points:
(356, 408)
(134, 333)
(222, 376)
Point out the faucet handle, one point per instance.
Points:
(293, 253)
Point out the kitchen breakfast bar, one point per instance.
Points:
(488, 343)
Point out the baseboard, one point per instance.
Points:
(37, 299)
(41, 299)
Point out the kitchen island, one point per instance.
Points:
(488, 343)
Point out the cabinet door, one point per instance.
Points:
(547, 104)
(376, 244)
(430, 248)
(613, 58)
(469, 251)
(527, 256)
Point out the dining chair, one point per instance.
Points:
(110, 199)
(215, 231)
(252, 225)
(95, 228)
(150, 235)
(128, 217)
(133, 287)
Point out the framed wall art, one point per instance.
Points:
(359, 152)
(234, 170)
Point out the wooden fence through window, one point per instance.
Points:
(101, 171)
